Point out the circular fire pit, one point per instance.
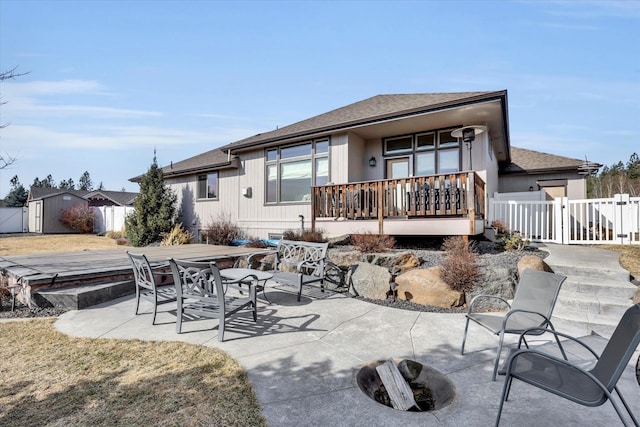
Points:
(432, 390)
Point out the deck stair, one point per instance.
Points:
(596, 293)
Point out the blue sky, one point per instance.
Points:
(109, 81)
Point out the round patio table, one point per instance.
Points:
(247, 275)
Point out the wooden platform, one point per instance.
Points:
(95, 266)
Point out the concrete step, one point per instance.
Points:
(83, 296)
(599, 286)
(593, 271)
(584, 322)
(600, 304)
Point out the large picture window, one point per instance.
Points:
(208, 186)
(292, 170)
(425, 153)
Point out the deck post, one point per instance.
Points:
(379, 186)
(471, 203)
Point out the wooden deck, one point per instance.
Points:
(93, 266)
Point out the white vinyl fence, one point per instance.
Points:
(590, 221)
(110, 218)
(14, 220)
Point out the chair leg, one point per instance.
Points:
(497, 362)
(464, 337)
(155, 308)
(299, 288)
(179, 317)
(626, 406)
(221, 327)
(137, 299)
(503, 398)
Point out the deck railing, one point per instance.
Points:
(457, 194)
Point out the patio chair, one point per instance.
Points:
(201, 292)
(565, 379)
(148, 284)
(532, 305)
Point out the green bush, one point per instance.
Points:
(372, 242)
(507, 239)
(460, 264)
(78, 218)
(222, 231)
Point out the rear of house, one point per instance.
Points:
(390, 164)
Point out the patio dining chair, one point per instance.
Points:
(201, 291)
(565, 379)
(532, 306)
(148, 284)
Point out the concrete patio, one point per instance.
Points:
(303, 358)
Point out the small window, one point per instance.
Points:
(398, 145)
(272, 155)
(296, 151)
(208, 186)
(426, 141)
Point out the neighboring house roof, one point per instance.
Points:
(121, 198)
(38, 193)
(369, 111)
(209, 161)
(524, 161)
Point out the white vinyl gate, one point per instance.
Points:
(590, 221)
(110, 218)
(14, 220)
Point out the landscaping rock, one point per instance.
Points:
(345, 259)
(395, 262)
(531, 261)
(498, 281)
(425, 286)
(369, 281)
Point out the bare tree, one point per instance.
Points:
(6, 159)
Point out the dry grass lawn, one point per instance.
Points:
(51, 379)
(33, 243)
(48, 378)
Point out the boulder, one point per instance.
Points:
(531, 261)
(369, 281)
(344, 259)
(425, 286)
(395, 262)
(497, 281)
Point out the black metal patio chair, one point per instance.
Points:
(201, 291)
(568, 380)
(148, 284)
(532, 305)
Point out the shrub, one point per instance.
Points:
(155, 209)
(304, 236)
(459, 267)
(372, 242)
(507, 239)
(112, 234)
(222, 231)
(177, 236)
(78, 218)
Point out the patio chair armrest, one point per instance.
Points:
(483, 296)
(318, 266)
(556, 334)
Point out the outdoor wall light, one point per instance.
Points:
(531, 188)
(372, 162)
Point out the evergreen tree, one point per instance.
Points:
(101, 186)
(67, 184)
(17, 196)
(48, 182)
(155, 209)
(85, 182)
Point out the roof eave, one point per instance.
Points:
(498, 95)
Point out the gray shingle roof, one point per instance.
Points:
(527, 161)
(210, 160)
(380, 107)
(122, 198)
